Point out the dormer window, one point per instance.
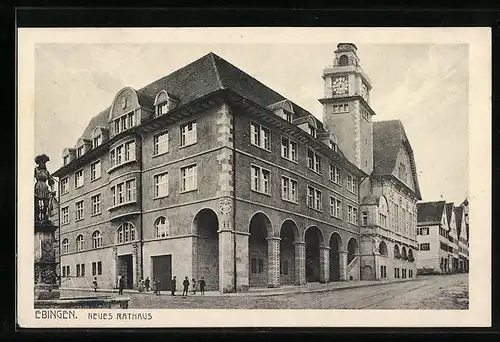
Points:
(332, 145)
(97, 141)
(164, 102)
(124, 122)
(79, 151)
(312, 130)
(288, 116)
(65, 160)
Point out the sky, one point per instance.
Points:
(426, 86)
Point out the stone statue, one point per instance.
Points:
(43, 194)
(376, 244)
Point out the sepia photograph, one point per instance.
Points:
(268, 171)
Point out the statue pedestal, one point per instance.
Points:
(46, 286)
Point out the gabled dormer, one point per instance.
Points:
(283, 109)
(83, 145)
(164, 102)
(68, 155)
(99, 136)
(308, 124)
(129, 109)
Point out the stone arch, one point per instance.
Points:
(205, 227)
(289, 234)
(336, 247)
(410, 255)
(382, 248)
(343, 60)
(260, 228)
(352, 249)
(314, 239)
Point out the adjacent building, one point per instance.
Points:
(441, 234)
(209, 173)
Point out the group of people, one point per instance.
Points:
(145, 285)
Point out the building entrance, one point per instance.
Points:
(125, 269)
(162, 271)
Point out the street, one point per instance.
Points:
(426, 292)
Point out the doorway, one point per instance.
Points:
(125, 269)
(162, 271)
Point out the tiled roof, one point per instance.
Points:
(430, 212)
(458, 218)
(200, 78)
(388, 138)
(449, 211)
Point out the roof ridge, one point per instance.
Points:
(217, 72)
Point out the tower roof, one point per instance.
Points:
(388, 138)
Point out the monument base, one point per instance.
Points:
(46, 291)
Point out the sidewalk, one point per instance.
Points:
(285, 289)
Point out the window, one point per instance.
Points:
(96, 204)
(97, 141)
(289, 189)
(335, 207)
(161, 227)
(424, 247)
(313, 161)
(161, 185)
(189, 178)
(364, 218)
(260, 179)
(96, 268)
(122, 153)
(125, 233)
(123, 192)
(188, 134)
(423, 231)
(334, 174)
(314, 198)
(365, 114)
(260, 136)
(312, 130)
(124, 122)
(383, 271)
(289, 149)
(79, 151)
(257, 265)
(65, 246)
(352, 214)
(80, 270)
(65, 215)
(80, 243)
(341, 108)
(78, 178)
(333, 145)
(288, 116)
(95, 170)
(65, 271)
(382, 220)
(160, 143)
(96, 239)
(79, 210)
(352, 184)
(65, 160)
(162, 108)
(64, 186)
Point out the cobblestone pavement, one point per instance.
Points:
(427, 292)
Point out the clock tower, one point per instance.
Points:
(346, 109)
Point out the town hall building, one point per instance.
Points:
(209, 173)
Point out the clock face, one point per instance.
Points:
(364, 91)
(340, 86)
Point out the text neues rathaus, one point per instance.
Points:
(209, 173)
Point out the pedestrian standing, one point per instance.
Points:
(185, 283)
(202, 285)
(173, 285)
(157, 287)
(146, 284)
(153, 285)
(121, 283)
(194, 286)
(95, 284)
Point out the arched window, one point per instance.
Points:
(403, 253)
(80, 243)
(125, 233)
(343, 60)
(382, 248)
(96, 239)
(397, 255)
(65, 246)
(161, 227)
(333, 143)
(410, 255)
(352, 250)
